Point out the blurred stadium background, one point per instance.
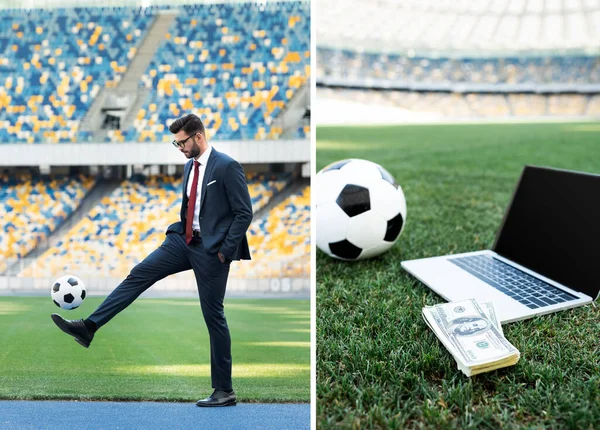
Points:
(415, 61)
(473, 90)
(89, 179)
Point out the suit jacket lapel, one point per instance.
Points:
(186, 177)
(207, 174)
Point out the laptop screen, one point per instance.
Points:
(553, 227)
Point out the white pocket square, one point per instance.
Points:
(211, 182)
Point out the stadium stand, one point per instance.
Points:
(236, 65)
(593, 108)
(427, 70)
(130, 223)
(262, 188)
(472, 105)
(32, 208)
(243, 67)
(53, 62)
(469, 60)
(527, 104)
(281, 241)
(466, 87)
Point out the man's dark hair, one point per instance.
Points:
(189, 123)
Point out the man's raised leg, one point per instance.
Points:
(171, 257)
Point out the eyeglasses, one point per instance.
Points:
(180, 144)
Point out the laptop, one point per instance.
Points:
(546, 255)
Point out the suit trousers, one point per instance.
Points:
(174, 256)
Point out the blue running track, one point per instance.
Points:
(64, 415)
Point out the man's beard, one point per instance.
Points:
(195, 151)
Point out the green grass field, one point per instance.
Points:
(157, 349)
(378, 365)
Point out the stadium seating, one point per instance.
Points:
(593, 108)
(567, 104)
(234, 65)
(262, 188)
(53, 62)
(343, 64)
(527, 104)
(472, 105)
(491, 59)
(488, 105)
(117, 233)
(302, 132)
(125, 227)
(32, 208)
(280, 243)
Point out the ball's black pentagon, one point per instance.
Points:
(56, 303)
(68, 298)
(387, 176)
(82, 294)
(335, 166)
(345, 249)
(56, 287)
(72, 281)
(74, 307)
(394, 226)
(354, 200)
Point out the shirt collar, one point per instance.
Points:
(204, 157)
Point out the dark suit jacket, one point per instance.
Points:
(225, 207)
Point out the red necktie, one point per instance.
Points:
(191, 203)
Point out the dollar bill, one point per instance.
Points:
(490, 312)
(472, 334)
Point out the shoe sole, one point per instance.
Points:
(202, 405)
(81, 342)
(59, 322)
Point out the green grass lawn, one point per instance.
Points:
(378, 365)
(157, 349)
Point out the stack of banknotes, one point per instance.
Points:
(473, 335)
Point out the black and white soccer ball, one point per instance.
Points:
(361, 210)
(68, 292)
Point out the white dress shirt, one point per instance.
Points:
(201, 169)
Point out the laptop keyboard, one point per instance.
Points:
(532, 292)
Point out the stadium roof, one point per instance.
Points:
(466, 26)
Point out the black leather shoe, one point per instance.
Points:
(218, 398)
(75, 328)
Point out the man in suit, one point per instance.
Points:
(216, 212)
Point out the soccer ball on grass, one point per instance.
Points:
(361, 209)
